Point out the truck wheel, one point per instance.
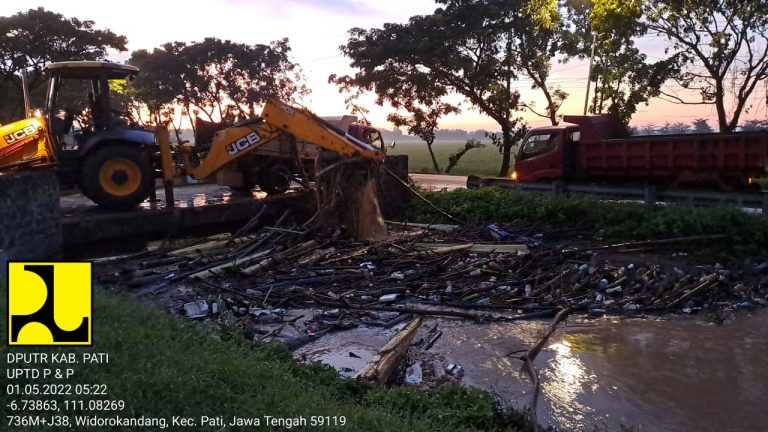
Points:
(117, 177)
(276, 179)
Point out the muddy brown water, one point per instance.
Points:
(675, 374)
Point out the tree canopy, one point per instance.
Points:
(724, 47)
(473, 48)
(622, 75)
(216, 77)
(30, 40)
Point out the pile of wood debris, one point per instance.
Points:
(441, 270)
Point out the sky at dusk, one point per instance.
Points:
(316, 29)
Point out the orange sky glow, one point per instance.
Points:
(317, 28)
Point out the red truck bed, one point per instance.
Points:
(689, 157)
(599, 148)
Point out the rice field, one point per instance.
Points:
(484, 162)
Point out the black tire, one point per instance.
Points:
(276, 179)
(117, 177)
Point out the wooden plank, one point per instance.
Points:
(474, 247)
(381, 367)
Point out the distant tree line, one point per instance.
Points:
(440, 134)
(699, 125)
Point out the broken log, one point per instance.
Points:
(220, 269)
(210, 246)
(158, 245)
(381, 367)
(304, 247)
(436, 227)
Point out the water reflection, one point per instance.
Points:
(221, 196)
(564, 378)
(652, 375)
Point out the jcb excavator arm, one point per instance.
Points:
(277, 118)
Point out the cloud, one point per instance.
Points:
(340, 7)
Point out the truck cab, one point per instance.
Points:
(551, 152)
(547, 153)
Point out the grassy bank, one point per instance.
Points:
(745, 235)
(164, 366)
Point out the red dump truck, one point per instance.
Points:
(599, 148)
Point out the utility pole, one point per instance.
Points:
(589, 74)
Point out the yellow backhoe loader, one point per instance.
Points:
(115, 163)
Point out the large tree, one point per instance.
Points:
(724, 44)
(473, 48)
(216, 77)
(30, 40)
(622, 76)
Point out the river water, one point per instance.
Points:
(674, 374)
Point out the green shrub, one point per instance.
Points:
(611, 220)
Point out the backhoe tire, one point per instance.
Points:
(276, 179)
(117, 177)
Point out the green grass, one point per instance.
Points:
(745, 235)
(164, 366)
(483, 162)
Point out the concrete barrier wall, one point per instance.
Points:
(30, 217)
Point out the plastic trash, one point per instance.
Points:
(388, 298)
(631, 306)
(397, 275)
(256, 311)
(387, 316)
(598, 297)
(196, 309)
(413, 374)
(613, 290)
(453, 369)
(475, 273)
(448, 287)
(602, 284)
(528, 290)
(368, 265)
(596, 312)
(498, 233)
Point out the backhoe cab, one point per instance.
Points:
(105, 156)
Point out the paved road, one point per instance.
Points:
(437, 182)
